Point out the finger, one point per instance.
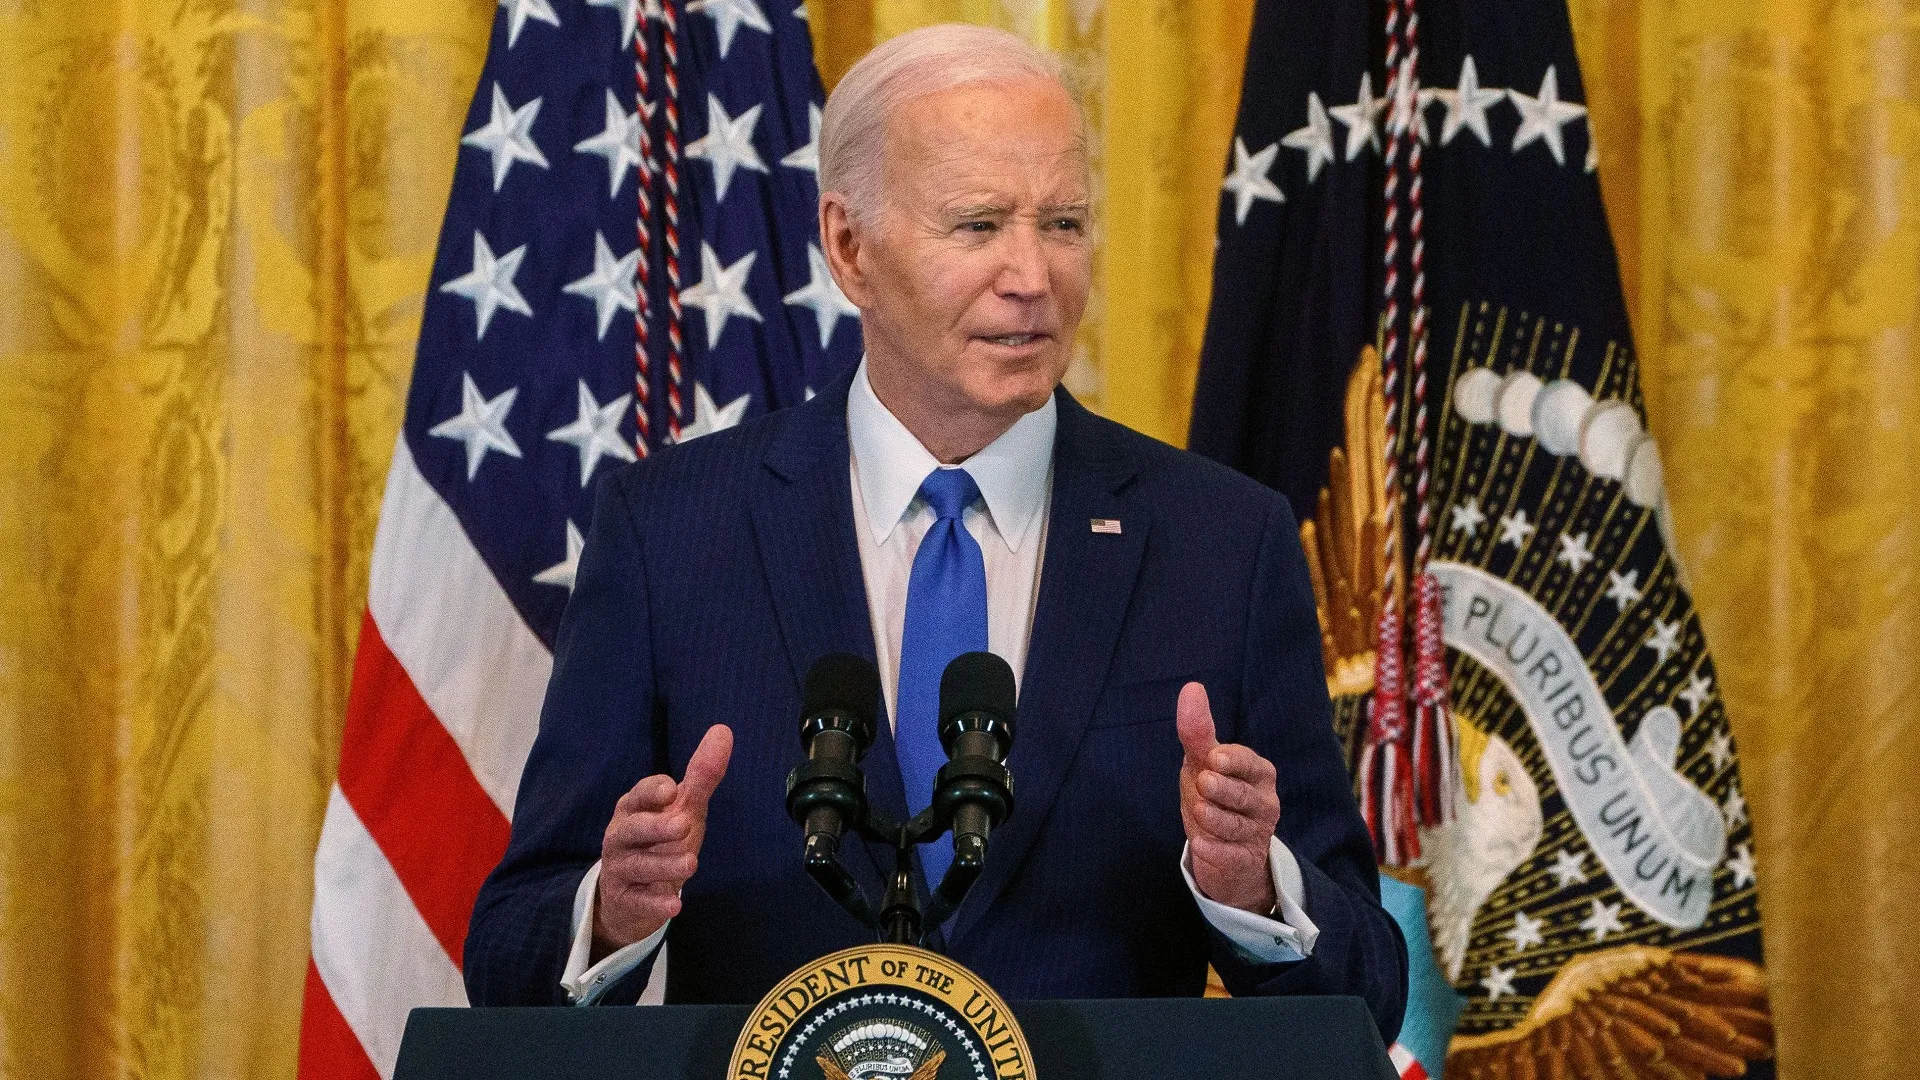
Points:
(650, 829)
(1226, 825)
(1241, 763)
(706, 767)
(1193, 717)
(654, 869)
(1233, 794)
(651, 793)
(1215, 858)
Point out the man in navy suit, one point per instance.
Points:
(1180, 797)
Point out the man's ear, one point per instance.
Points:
(843, 248)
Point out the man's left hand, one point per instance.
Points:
(1229, 807)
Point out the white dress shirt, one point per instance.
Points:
(1015, 476)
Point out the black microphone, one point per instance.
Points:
(827, 792)
(974, 787)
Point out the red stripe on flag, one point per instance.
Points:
(414, 791)
(329, 1050)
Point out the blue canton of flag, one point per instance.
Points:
(630, 258)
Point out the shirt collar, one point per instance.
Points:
(1012, 471)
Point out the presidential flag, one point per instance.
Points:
(629, 259)
(1418, 335)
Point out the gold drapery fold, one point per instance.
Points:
(216, 225)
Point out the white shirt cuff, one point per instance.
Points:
(1260, 939)
(584, 984)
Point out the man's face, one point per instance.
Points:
(972, 277)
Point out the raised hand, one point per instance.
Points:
(652, 846)
(1229, 807)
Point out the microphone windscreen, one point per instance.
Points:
(843, 682)
(977, 682)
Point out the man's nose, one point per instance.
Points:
(1023, 273)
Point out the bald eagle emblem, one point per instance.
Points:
(881, 1050)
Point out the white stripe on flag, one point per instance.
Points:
(374, 952)
(451, 626)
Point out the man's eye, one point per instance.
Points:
(976, 226)
(1068, 224)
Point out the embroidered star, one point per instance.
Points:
(1569, 867)
(610, 286)
(1734, 808)
(1515, 529)
(1623, 589)
(1720, 749)
(508, 136)
(1574, 552)
(1698, 692)
(562, 572)
(728, 144)
(729, 16)
(708, 418)
(1362, 118)
(1741, 866)
(1665, 639)
(1543, 115)
(822, 294)
(1467, 105)
(618, 142)
(490, 283)
(808, 156)
(1248, 180)
(721, 292)
(1499, 981)
(1526, 931)
(596, 431)
(481, 423)
(1602, 920)
(1315, 138)
(519, 11)
(1466, 516)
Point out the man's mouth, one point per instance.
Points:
(1014, 340)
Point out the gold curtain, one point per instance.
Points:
(216, 222)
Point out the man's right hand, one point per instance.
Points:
(652, 846)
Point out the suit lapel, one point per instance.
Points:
(1086, 582)
(803, 524)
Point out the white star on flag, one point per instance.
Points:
(808, 156)
(564, 571)
(1526, 931)
(490, 283)
(728, 144)
(709, 418)
(1602, 920)
(1569, 867)
(1543, 115)
(1315, 138)
(1734, 809)
(480, 423)
(1741, 866)
(1362, 118)
(1574, 552)
(1248, 180)
(1466, 516)
(729, 16)
(519, 11)
(618, 142)
(1499, 981)
(721, 292)
(629, 18)
(1665, 639)
(1467, 105)
(508, 136)
(1623, 589)
(1698, 692)
(596, 432)
(610, 286)
(1720, 749)
(823, 295)
(1515, 529)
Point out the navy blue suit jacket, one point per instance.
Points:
(715, 573)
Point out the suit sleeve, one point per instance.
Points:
(1288, 720)
(596, 740)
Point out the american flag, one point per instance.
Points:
(629, 258)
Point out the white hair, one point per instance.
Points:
(903, 69)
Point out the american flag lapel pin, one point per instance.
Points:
(1109, 526)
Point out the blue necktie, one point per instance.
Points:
(946, 616)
